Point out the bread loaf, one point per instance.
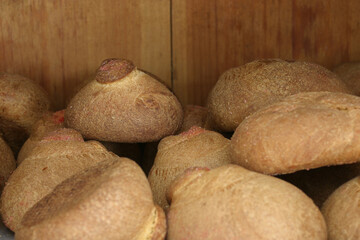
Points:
(196, 147)
(124, 104)
(111, 200)
(60, 155)
(243, 90)
(303, 131)
(231, 202)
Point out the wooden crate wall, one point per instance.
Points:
(187, 43)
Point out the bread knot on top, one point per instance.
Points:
(113, 69)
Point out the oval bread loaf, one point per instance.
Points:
(60, 155)
(303, 131)
(231, 203)
(111, 200)
(241, 91)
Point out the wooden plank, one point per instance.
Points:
(211, 36)
(60, 43)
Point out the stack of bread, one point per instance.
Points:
(273, 155)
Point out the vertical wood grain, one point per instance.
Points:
(211, 36)
(60, 43)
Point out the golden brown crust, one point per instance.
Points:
(7, 163)
(342, 212)
(22, 103)
(243, 90)
(136, 109)
(196, 147)
(350, 74)
(111, 200)
(231, 202)
(49, 163)
(303, 131)
(46, 133)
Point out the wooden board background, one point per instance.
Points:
(187, 43)
(60, 43)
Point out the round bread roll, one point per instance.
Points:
(319, 183)
(7, 162)
(231, 202)
(196, 147)
(303, 131)
(350, 74)
(124, 104)
(22, 103)
(241, 91)
(48, 123)
(111, 200)
(60, 154)
(342, 212)
(193, 116)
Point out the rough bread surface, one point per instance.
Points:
(47, 165)
(196, 147)
(230, 202)
(48, 123)
(130, 106)
(342, 211)
(22, 103)
(111, 200)
(243, 90)
(303, 131)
